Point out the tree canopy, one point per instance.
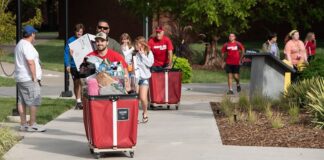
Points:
(8, 19)
(219, 17)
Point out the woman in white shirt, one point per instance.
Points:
(126, 47)
(144, 61)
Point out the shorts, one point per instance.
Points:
(232, 68)
(143, 82)
(29, 93)
(75, 73)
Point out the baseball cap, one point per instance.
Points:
(29, 29)
(101, 35)
(159, 29)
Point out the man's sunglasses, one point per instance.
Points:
(104, 28)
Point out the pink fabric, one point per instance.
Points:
(296, 50)
(93, 87)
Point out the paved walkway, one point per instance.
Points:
(189, 134)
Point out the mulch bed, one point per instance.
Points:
(261, 133)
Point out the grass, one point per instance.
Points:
(276, 122)
(252, 116)
(260, 102)
(205, 76)
(227, 106)
(268, 111)
(51, 54)
(50, 108)
(294, 114)
(243, 101)
(7, 139)
(7, 82)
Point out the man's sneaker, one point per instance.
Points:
(35, 128)
(238, 88)
(23, 127)
(230, 92)
(78, 106)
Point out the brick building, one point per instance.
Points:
(89, 12)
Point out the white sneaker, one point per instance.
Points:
(36, 128)
(23, 127)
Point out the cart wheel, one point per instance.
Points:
(91, 151)
(152, 107)
(168, 107)
(131, 153)
(177, 107)
(97, 155)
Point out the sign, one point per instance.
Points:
(81, 47)
(122, 114)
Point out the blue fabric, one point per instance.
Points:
(273, 49)
(68, 60)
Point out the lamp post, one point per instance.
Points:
(66, 92)
(18, 37)
(145, 23)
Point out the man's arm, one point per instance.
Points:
(242, 53)
(32, 68)
(170, 54)
(242, 49)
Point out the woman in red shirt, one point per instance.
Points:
(310, 45)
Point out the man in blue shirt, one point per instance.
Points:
(70, 64)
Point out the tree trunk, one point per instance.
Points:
(212, 56)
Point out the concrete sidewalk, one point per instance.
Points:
(189, 134)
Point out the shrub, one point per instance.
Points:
(293, 113)
(252, 117)
(7, 139)
(243, 101)
(227, 106)
(183, 65)
(315, 68)
(276, 122)
(7, 23)
(259, 102)
(296, 93)
(268, 111)
(316, 102)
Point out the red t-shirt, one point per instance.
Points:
(111, 55)
(160, 50)
(310, 47)
(232, 49)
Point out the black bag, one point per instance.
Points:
(87, 69)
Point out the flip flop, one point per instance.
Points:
(145, 119)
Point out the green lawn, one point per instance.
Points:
(51, 54)
(205, 76)
(50, 108)
(7, 82)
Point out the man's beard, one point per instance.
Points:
(101, 49)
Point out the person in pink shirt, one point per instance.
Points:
(294, 49)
